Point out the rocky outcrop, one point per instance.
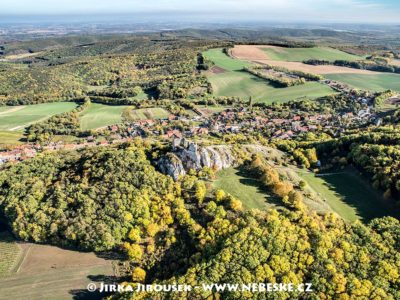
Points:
(188, 155)
(171, 165)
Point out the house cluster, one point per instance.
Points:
(171, 127)
(19, 153)
(272, 123)
(269, 122)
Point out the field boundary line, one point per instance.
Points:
(329, 174)
(25, 254)
(20, 257)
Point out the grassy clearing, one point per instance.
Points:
(301, 54)
(149, 113)
(9, 253)
(349, 195)
(242, 84)
(141, 96)
(210, 110)
(375, 82)
(18, 117)
(246, 189)
(346, 192)
(100, 115)
(10, 138)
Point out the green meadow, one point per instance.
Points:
(10, 137)
(148, 113)
(101, 115)
(246, 189)
(243, 84)
(224, 61)
(349, 195)
(346, 193)
(301, 54)
(16, 118)
(235, 82)
(374, 82)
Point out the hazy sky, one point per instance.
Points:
(367, 11)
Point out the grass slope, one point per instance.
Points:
(301, 54)
(376, 82)
(9, 253)
(246, 189)
(242, 84)
(100, 115)
(349, 195)
(224, 61)
(18, 117)
(10, 138)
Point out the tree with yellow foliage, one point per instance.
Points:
(138, 275)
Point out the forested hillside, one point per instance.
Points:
(341, 261)
(113, 198)
(164, 68)
(89, 200)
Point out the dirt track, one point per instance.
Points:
(14, 109)
(254, 53)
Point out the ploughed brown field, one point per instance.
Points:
(254, 53)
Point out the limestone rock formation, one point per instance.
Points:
(188, 155)
(171, 165)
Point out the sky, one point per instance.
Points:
(358, 11)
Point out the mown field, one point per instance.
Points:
(210, 110)
(224, 61)
(47, 272)
(349, 195)
(234, 82)
(16, 118)
(301, 54)
(13, 119)
(375, 82)
(9, 254)
(246, 189)
(100, 115)
(242, 84)
(149, 113)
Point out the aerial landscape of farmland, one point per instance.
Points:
(176, 150)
